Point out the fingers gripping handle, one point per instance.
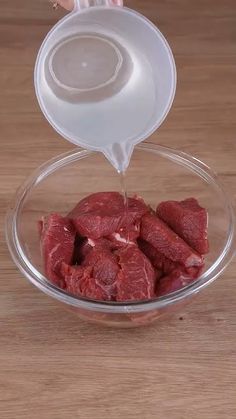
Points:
(82, 4)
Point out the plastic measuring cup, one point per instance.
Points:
(105, 78)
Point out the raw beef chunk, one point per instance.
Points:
(188, 220)
(125, 235)
(177, 279)
(107, 251)
(159, 261)
(57, 244)
(104, 213)
(156, 232)
(79, 282)
(137, 279)
(104, 265)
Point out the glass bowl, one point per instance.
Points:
(156, 173)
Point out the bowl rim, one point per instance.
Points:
(41, 282)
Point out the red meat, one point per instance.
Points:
(188, 220)
(104, 213)
(158, 260)
(84, 246)
(125, 236)
(79, 282)
(168, 243)
(175, 281)
(57, 245)
(95, 254)
(137, 279)
(104, 265)
(102, 243)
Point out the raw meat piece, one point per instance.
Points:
(188, 220)
(158, 260)
(165, 267)
(84, 246)
(57, 245)
(101, 243)
(137, 279)
(104, 265)
(104, 213)
(79, 282)
(175, 281)
(194, 272)
(156, 232)
(125, 236)
(73, 276)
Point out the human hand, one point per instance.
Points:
(69, 4)
(66, 4)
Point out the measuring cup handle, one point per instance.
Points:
(82, 4)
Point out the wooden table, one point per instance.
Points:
(55, 366)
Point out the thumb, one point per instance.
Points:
(66, 4)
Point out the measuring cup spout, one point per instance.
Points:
(119, 155)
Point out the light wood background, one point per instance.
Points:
(54, 366)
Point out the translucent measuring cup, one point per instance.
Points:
(105, 78)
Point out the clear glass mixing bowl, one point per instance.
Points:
(156, 173)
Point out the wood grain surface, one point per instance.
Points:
(55, 366)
